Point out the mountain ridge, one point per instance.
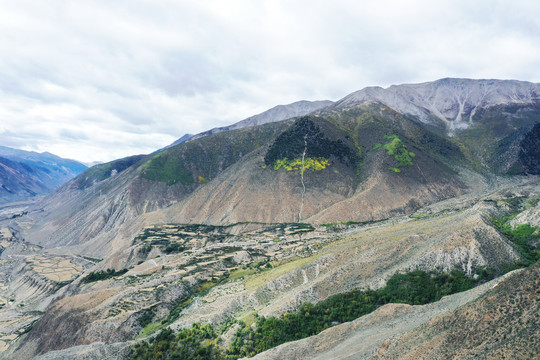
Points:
(277, 113)
(453, 101)
(25, 174)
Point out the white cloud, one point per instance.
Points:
(97, 80)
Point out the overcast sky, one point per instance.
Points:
(99, 80)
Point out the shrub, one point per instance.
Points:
(103, 275)
(398, 150)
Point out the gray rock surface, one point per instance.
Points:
(95, 351)
(454, 102)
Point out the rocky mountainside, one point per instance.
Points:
(494, 321)
(24, 174)
(244, 224)
(452, 103)
(219, 179)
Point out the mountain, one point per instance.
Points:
(239, 229)
(491, 119)
(25, 174)
(449, 103)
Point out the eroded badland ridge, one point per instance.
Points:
(241, 228)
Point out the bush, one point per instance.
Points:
(291, 144)
(174, 248)
(398, 150)
(103, 275)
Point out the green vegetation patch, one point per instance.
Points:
(398, 150)
(197, 342)
(167, 169)
(305, 136)
(101, 172)
(196, 162)
(145, 317)
(312, 164)
(103, 275)
(174, 248)
(337, 223)
(95, 260)
(200, 342)
(523, 236)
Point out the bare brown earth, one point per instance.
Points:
(330, 196)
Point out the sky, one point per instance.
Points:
(100, 80)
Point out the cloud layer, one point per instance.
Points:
(98, 80)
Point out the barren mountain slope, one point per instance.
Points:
(307, 266)
(25, 174)
(85, 214)
(277, 113)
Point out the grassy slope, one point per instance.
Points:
(201, 160)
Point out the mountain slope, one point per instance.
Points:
(503, 323)
(25, 174)
(488, 119)
(452, 103)
(95, 204)
(306, 266)
(221, 179)
(448, 329)
(358, 187)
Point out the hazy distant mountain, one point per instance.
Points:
(24, 174)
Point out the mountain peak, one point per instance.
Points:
(450, 101)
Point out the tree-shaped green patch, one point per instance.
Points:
(398, 150)
(304, 139)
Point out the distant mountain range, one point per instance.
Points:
(24, 174)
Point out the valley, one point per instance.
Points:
(222, 234)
